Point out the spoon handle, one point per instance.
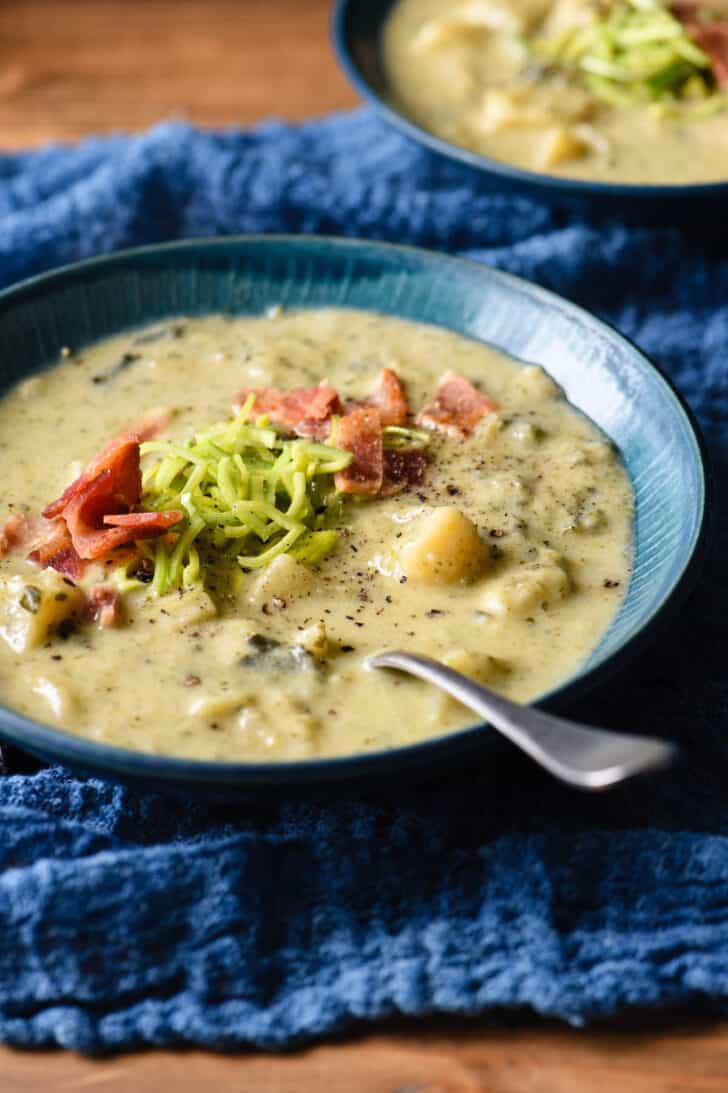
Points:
(582, 756)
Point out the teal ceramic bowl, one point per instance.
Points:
(602, 374)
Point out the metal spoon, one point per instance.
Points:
(577, 754)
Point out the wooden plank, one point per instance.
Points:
(72, 67)
(436, 1057)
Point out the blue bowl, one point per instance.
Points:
(601, 373)
(356, 30)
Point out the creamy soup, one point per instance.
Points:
(612, 90)
(490, 528)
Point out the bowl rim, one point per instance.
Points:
(520, 176)
(125, 764)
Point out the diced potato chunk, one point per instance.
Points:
(559, 144)
(528, 588)
(298, 741)
(590, 453)
(527, 107)
(567, 15)
(466, 23)
(505, 491)
(532, 385)
(444, 548)
(30, 609)
(489, 427)
(316, 641)
(208, 707)
(189, 607)
(526, 434)
(284, 579)
(507, 110)
(481, 667)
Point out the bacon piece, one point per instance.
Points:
(304, 410)
(684, 12)
(44, 538)
(121, 457)
(19, 532)
(145, 523)
(103, 605)
(119, 460)
(712, 38)
(98, 499)
(52, 548)
(403, 468)
(67, 562)
(51, 537)
(11, 534)
(390, 398)
(84, 514)
(458, 407)
(74, 526)
(360, 433)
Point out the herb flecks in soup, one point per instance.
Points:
(326, 484)
(624, 90)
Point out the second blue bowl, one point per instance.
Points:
(357, 28)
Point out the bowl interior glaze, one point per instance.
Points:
(602, 374)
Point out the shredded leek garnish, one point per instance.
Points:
(635, 53)
(397, 436)
(248, 495)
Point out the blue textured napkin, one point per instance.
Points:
(127, 919)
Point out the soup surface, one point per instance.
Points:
(611, 90)
(503, 547)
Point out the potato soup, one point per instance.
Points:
(246, 508)
(612, 90)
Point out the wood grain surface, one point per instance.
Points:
(427, 1058)
(73, 67)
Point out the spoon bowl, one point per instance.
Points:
(582, 756)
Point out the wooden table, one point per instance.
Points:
(72, 67)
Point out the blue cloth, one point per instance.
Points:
(128, 919)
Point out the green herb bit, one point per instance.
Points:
(248, 495)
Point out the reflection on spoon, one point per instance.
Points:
(577, 754)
